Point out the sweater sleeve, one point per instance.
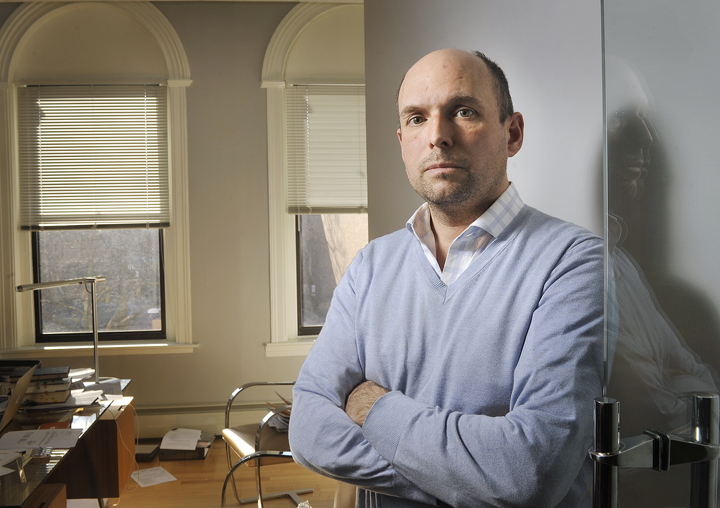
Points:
(531, 455)
(322, 437)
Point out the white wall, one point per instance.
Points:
(550, 52)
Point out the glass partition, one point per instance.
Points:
(661, 75)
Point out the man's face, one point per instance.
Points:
(630, 135)
(453, 144)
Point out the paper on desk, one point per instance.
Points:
(78, 374)
(152, 476)
(180, 439)
(46, 438)
(85, 398)
(108, 386)
(6, 457)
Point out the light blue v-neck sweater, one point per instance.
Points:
(492, 378)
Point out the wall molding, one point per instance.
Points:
(285, 34)
(156, 421)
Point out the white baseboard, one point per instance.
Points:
(153, 423)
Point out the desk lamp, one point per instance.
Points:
(69, 282)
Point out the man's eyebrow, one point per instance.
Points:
(470, 100)
(407, 110)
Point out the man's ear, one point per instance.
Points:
(402, 153)
(515, 125)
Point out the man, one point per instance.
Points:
(461, 355)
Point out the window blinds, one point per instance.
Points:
(93, 156)
(326, 154)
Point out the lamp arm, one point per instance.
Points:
(93, 297)
(57, 284)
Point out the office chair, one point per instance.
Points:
(257, 445)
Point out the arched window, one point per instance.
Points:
(314, 72)
(93, 97)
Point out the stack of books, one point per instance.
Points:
(49, 385)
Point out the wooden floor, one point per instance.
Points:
(199, 484)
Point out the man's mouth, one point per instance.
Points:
(442, 167)
(633, 173)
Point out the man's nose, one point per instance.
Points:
(641, 131)
(441, 133)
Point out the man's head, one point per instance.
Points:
(630, 134)
(502, 89)
(457, 129)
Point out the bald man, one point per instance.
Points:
(461, 354)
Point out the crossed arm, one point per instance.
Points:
(354, 430)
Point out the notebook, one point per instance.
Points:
(16, 398)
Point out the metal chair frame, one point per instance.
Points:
(258, 454)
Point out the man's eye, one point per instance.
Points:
(465, 113)
(415, 120)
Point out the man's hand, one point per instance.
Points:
(361, 399)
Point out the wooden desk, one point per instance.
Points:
(104, 455)
(98, 466)
(47, 496)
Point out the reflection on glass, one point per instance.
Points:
(654, 369)
(654, 372)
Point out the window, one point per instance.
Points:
(95, 157)
(326, 244)
(91, 41)
(130, 302)
(314, 73)
(326, 190)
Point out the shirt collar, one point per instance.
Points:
(494, 220)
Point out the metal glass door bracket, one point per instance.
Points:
(657, 450)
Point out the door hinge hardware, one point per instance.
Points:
(657, 450)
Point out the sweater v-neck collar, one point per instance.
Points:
(498, 245)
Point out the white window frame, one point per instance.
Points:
(283, 271)
(17, 336)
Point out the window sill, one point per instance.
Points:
(296, 347)
(54, 350)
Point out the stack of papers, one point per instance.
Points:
(180, 439)
(39, 439)
(280, 422)
(185, 444)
